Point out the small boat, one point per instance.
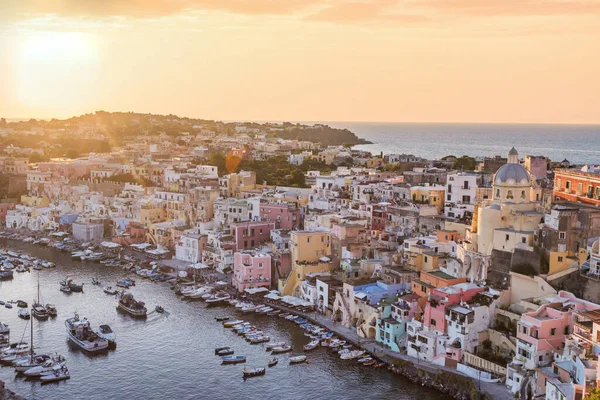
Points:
(301, 321)
(352, 354)
(217, 298)
(4, 329)
(369, 363)
(52, 311)
(273, 362)
(281, 349)
(222, 318)
(105, 332)
(110, 290)
(312, 345)
(272, 345)
(129, 305)
(259, 339)
(71, 285)
(364, 359)
(225, 352)
(57, 375)
(159, 309)
(39, 312)
(250, 372)
(379, 365)
(48, 367)
(283, 315)
(65, 289)
(8, 305)
(233, 359)
(95, 281)
(297, 359)
(126, 283)
(24, 314)
(231, 324)
(218, 349)
(21, 304)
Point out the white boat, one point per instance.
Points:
(249, 308)
(4, 329)
(231, 324)
(57, 375)
(352, 354)
(47, 367)
(312, 345)
(22, 365)
(272, 345)
(107, 333)
(23, 313)
(217, 298)
(110, 290)
(81, 333)
(282, 349)
(297, 359)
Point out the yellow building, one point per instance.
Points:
(311, 253)
(35, 201)
(151, 214)
(562, 260)
(431, 195)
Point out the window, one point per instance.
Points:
(523, 240)
(568, 185)
(509, 195)
(432, 322)
(308, 239)
(560, 259)
(523, 194)
(448, 198)
(552, 331)
(260, 265)
(507, 237)
(562, 235)
(426, 258)
(541, 358)
(449, 189)
(498, 193)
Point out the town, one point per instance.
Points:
(489, 266)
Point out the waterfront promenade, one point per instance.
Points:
(494, 390)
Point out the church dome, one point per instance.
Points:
(512, 175)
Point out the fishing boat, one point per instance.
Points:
(51, 309)
(218, 349)
(225, 352)
(221, 318)
(105, 332)
(312, 345)
(281, 349)
(110, 290)
(231, 324)
(250, 372)
(233, 359)
(57, 375)
(272, 345)
(21, 304)
(129, 305)
(297, 359)
(23, 313)
(273, 362)
(81, 333)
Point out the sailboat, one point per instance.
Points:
(34, 360)
(37, 309)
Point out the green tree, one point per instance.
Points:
(218, 160)
(37, 157)
(465, 163)
(298, 178)
(594, 394)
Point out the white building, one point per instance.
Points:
(87, 230)
(189, 248)
(461, 188)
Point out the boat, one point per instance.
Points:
(8, 305)
(57, 375)
(273, 362)
(221, 318)
(105, 332)
(126, 283)
(283, 315)
(34, 360)
(5, 274)
(281, 349)
(272, 345)
(365, 359)
(71, 285)
(37, 309)
(81, 333)
(379, 365)
(225, 352)
(297, 359)
(259, 339)
(218, 298)
(4, 329)
(231, 324)
(51, 309)
(233, 359)
(49, 366)
(95, 281)
(300, 321)
(23, 313)
(218, 349)
(21, 304)
(129, 305)
(65, 289)
(159, 309)
(250, 372)
(369, 363)
(312, 345)
(352, 354)
(110, 290)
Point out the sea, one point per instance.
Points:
(579, 144)
(171, 355)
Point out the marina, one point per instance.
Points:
(163, 341)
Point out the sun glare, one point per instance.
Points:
(58, 47)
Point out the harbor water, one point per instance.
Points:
(171, 355)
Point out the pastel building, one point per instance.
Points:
(391, 326)
(251, 270)
(283, 215)
(249, 234)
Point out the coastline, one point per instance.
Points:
(7, 394)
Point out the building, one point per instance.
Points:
(189, 247)
(251, 269)
(283, 215)
(88, 229)
(249, 234)
(578, 186)
(461, 194)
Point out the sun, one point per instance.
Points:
(53, 69)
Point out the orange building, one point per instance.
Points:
(578, 185)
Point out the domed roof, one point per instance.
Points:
(512, 174)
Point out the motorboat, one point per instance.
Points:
(71, 285)
(364, 359)
(65, 289)
(159, 309)
(39, 312)
(352, 354)
(259, 339)
(369, 363)
(4, 329)
(21, 304)
(81, 333)
(231, 324)
(51, 309)
(110, 290)
(129, 305)
(57, 375)
(219, 297)
(273, 362)
(272, 345)
(105, 332)
(126, 283)
(49, 366)
(281, 349)
(250, 372)
(34, 360)
(218, 349)
(8, 305)
(23, 313)
(312, 345)
(249, 308)
(225, 352)
(221, 318)
(233, 359)
(6, 274)
(297, 359)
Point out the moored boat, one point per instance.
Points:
(129, 305)
(281, 349)
(272, 345)
(233, 359)
(231, 324)
(221, 318)
(105, 332)
(225, 352)
(81, 333)
(51, 309)
(297, 359)
(312, 345)
(218, 349)
(250, 372)
(57, 375)
(49, 366)
(273, 362)
(23, 313)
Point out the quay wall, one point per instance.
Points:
(6, 394)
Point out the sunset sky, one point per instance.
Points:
(304, 60)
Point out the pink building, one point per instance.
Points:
(250, 234)
(284, 215)
(251, 270)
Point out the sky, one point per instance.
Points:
(521, 61)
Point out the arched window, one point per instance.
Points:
(523, 194)
(509, 195)
(497, 193)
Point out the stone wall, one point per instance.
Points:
(6, 394)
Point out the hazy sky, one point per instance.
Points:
(369, 60)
